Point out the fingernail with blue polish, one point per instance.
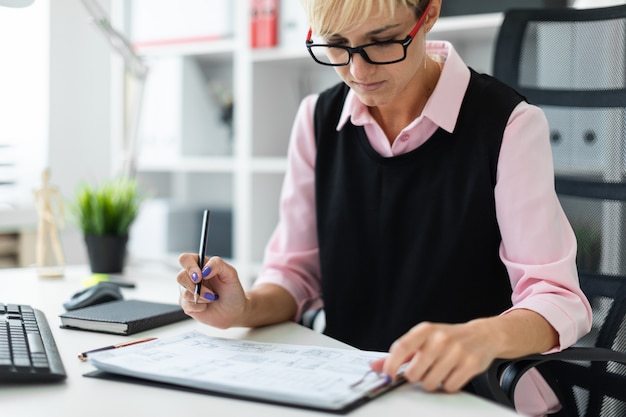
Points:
(211, 297)
(194, 277)
(206, 271)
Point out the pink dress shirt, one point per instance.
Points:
(538, 245)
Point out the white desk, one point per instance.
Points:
(88, 397)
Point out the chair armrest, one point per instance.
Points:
(314, 319)
(500, 380)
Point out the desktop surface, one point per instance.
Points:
(89, 397)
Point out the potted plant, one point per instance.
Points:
(105, 212)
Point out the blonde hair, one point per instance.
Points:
(328, 17)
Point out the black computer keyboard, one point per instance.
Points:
(28, 352)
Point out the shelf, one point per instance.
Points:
(281, 54)
(13, 219)
(471, 26)
(243, 169)
(269, 165)
(207, 164)
(216, 48)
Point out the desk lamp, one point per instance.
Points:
(136, 68)
(16, 3)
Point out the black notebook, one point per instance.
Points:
(123, 317)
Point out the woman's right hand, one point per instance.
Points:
(222, 302)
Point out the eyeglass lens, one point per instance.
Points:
(378, 53)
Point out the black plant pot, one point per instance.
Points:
(107, 254)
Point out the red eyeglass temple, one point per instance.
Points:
(417, 26)
(420, 22)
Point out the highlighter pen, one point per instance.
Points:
(202, 251)
(83, 356)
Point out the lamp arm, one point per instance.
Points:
(121, 45)
(129, 157)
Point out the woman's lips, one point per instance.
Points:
(368, 86)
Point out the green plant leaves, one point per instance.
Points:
(108, 208)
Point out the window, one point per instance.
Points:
(24, 101)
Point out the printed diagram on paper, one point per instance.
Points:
(306, 375)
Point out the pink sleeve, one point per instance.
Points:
(538, 244)
(291, 256)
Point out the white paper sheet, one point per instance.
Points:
(300, 375)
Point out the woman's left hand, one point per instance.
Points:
(448, 356)
(441, 356)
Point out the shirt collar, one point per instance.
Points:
(443, 106)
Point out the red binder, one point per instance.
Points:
(264, 23)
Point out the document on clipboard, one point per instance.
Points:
(328, 379)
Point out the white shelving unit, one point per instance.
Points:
(267, 87)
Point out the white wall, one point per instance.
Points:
(80, 97)
(80, 107)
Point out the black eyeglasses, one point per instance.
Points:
(377, 53)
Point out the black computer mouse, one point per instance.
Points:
(97, 294)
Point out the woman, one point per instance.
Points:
(418, 208)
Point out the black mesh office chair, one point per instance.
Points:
(572, 63)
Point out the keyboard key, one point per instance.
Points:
(21, 361)
(13, 308)
(35, 343)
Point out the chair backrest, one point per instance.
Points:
(572, 64)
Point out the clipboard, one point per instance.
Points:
(310, 377)
(107, 376)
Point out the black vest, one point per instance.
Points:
(413, 237)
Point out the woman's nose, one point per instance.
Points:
(359, 67)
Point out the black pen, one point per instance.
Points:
(83, 356)
(202, 251)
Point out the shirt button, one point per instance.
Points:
(404, 138)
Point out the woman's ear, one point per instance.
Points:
(432, 15)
